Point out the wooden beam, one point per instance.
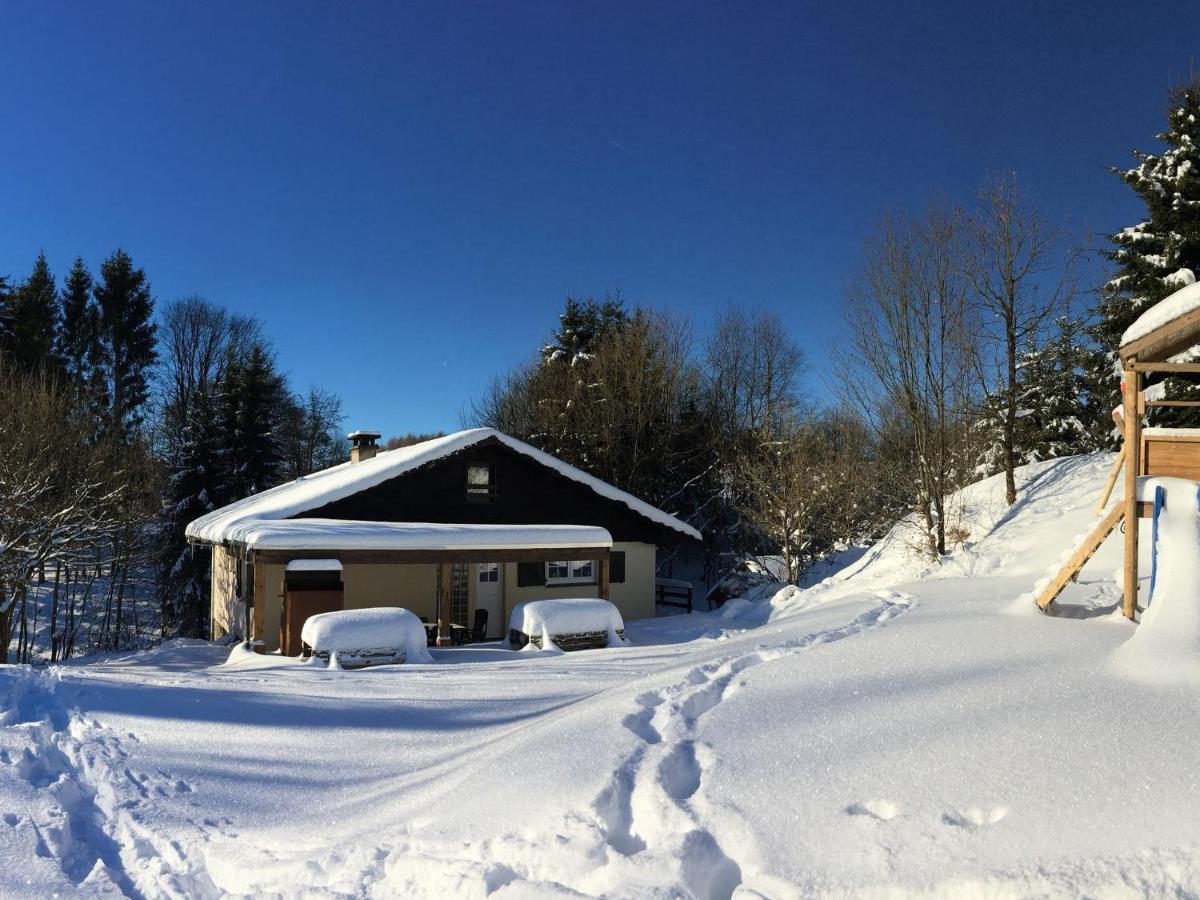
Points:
(1163, 342)
(604, 589)
(1112, 480)
(1179, 368)
(444, 585)
(424, 557)
(1082, 554)
(1133, 443)
(1171, 402)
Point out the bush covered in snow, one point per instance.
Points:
(578, 623)
(353, 638)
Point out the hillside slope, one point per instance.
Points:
(900, 728)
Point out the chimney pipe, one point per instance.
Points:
(363, 445)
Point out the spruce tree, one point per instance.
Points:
(252, 397)
(263, 400)
(80, 325)
(33, 311)
(1150, 255)
(192, 490)
(1056, 409)
(5, 316)
(126, 343)
(582, 325)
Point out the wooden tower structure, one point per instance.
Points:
(1152, 346)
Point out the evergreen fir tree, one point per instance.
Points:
(1149, 256)
(5, 316)
(191, 491)
(581, 326)
(263, 399)
(251, 397)
(80, 325)
(33, 320)
(1056, 406)
(126, 341)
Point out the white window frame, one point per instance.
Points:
(571, 565)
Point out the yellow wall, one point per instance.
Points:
(228, 617)
(269, 605)
(634, 597)
(414, 587)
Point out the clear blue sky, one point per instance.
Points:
(404, 194)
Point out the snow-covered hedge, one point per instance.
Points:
(352, 638)
(576, 623)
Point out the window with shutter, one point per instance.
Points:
(531, 574)
(616, 567)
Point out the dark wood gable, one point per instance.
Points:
(523, 492)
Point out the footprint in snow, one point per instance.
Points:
(974, 817)
(883, 810)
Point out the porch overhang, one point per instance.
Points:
(286, 541)
(357, 541)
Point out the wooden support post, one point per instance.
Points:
(259, 587)
(1112, 480)
(605, 590)
(1133, 438)
(444, 586)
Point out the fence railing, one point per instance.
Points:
(672, 593)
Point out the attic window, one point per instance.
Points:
(481, 485)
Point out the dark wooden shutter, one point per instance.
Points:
(616, 567)
(531, 574)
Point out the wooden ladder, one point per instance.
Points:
(1082, 554)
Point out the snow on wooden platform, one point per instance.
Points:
(1168, 309)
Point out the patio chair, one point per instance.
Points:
(479, 632)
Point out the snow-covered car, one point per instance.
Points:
(356, 638)
(577, 623)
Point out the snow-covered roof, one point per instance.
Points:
(1177, 305)
(355, 534)
(344, 480)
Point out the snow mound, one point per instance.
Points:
(551, 619)
(353, 632)
(1181, 278)
(1178, 304)
(1166, 645)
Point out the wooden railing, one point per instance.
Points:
(673, 593)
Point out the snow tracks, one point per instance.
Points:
(86, 806)
(650, 832)
(655, 804)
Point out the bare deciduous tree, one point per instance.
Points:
(909, 364)
(196, 340)
(309, 433)
(801, 487)
(754, 371)
(1021, 275)
(60, 492)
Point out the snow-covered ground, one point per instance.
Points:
(896, 729)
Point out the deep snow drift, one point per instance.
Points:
(897, 729)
